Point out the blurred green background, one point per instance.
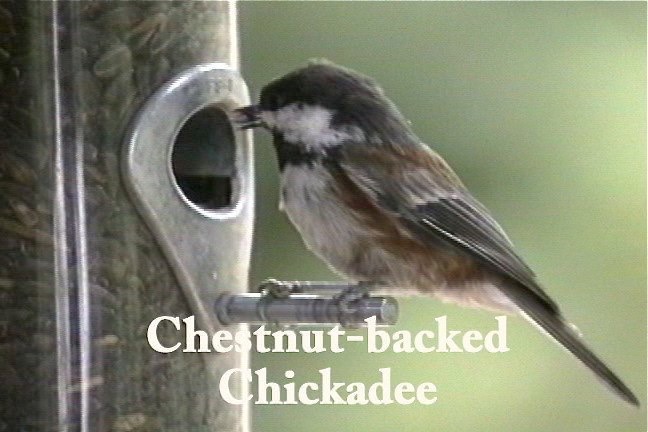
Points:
(541, 109)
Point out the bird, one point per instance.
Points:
(382, 208)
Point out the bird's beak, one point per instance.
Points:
(247, 117)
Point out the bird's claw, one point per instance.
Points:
(273, 288)
(348, 299)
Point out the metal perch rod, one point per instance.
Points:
(304, 309)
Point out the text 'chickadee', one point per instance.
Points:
(377, 205)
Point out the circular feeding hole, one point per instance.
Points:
(203, 159)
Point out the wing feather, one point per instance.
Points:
(420, 189)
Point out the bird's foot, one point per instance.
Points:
(273, 288)
(347, 300)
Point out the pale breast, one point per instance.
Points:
(326, 226)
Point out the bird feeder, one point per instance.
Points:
(84, 264)
(126, 194)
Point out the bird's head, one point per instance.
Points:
(324, 105)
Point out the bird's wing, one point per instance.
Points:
(416, 185)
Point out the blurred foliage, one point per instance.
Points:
(541, 109)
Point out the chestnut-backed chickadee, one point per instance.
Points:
(376, 204)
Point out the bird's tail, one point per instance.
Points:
(550, 321)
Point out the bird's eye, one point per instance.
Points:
(278, 101)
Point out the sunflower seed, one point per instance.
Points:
(139, 36)
(117, 59)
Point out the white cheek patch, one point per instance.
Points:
(309, 126)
